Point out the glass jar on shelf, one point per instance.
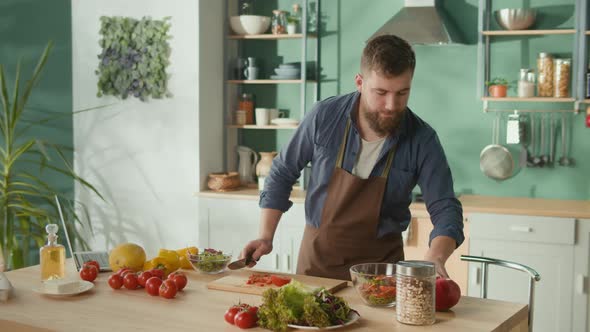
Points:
(246, 103)
(545, 75)
(279, 22)
(526, 83)
(561, 78)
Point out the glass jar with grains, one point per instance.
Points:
(561, 78)
(545, 75)
(415, 289)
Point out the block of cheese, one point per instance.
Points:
(58, 286)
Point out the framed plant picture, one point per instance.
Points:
(134, 57)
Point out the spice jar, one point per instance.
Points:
(545, 75)
(279, 22)
(526, 83)
(246, 103)
(561, 78)
(415, 289)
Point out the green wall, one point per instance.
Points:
(25, 28)
(445, 87)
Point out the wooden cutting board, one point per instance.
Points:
(237, 283)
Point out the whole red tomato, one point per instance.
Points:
(179, 279)
(143, 277)
(122, 272)
(115, 281)
(168, 289)
(94, 263)
(152, 286)
(245, 319)
(88, 272)
(157, 273)
(230, 314)
(279, 280)
(130, 281)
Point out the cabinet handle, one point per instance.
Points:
(581, 282)
(476, 273)
(287, 258)
(521, 229)
(277, 262)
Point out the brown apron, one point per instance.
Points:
(348, 231)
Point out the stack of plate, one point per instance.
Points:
(287, 71)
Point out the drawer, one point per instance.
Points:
(522, 228)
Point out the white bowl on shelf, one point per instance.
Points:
(249, 24)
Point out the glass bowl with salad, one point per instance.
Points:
(375, 283)
(210, 261)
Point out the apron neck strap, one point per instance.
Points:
(340, 158)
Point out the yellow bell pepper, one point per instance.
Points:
(171, 258)
(158, 263)
(183, 256)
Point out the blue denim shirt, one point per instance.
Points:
(419, 159)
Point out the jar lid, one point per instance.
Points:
(544, 55)
(415, 268)
(560, 61)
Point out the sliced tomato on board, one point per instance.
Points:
(279, 280)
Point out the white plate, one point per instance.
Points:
(84, 286)
(284, 122)
(352, 317)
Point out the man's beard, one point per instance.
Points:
(383, 126)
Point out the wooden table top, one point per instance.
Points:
(200, 309)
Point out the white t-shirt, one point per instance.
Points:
(367, 158)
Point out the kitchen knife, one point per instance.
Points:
(240, 263)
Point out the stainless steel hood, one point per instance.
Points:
(421, 22)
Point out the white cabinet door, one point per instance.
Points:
(291, 230)
(581, 272)
(527, 240)
(553, 294)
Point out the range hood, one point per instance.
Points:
(421, 22)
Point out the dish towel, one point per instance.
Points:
(407, 234)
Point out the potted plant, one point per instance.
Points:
(27, 201)
(292, 22)
(498, 87)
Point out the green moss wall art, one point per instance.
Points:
(134, 57)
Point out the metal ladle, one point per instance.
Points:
(564, 160)
(552, 140)
(536, 159)
(544, 157)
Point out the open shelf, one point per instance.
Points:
(269, 81)
(533, 99)
(529, 32)
(270, 36)
(262, 127)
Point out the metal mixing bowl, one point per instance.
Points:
(516, 18)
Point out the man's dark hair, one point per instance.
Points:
(389, 55)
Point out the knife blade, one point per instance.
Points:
(240, 263)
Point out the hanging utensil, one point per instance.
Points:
(564, 160)
(543, 149)
(535, 160)
(495, 161)
(552, 140)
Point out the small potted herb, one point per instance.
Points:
(292, 22)
(498, 87)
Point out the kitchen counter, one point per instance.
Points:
(197, 308)
(471, 203)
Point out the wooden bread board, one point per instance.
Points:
(237, 283)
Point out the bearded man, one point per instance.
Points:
(368, 151)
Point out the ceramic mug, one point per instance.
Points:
(251, 73)
(275, 113)
(262, 116)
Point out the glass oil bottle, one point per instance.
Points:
(52, 256)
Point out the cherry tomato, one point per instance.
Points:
(245, 319)
(130, 281)
(157, 273)
(88, 272)
(168, 289)
(152, 286)
(94, 263)
(230, 314)
(143, 277)
(253, 310)
(279, 280)
(122, 272)
(179, 279)
(115, 281)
